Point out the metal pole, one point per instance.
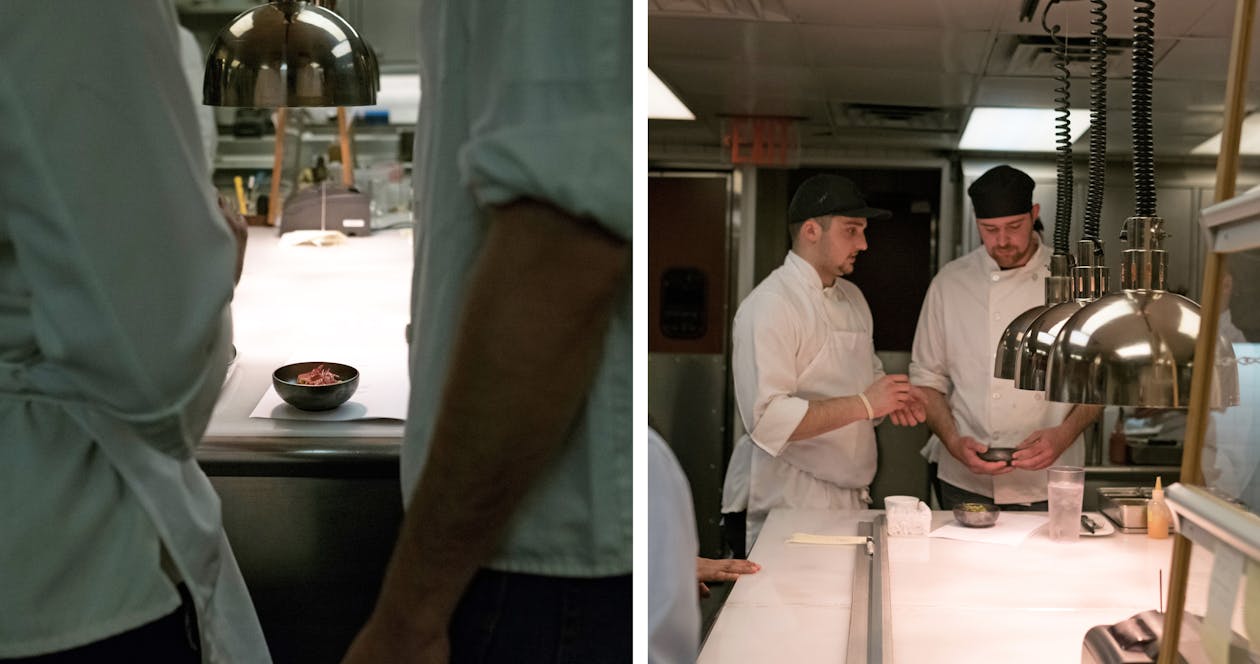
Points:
(347, 158)
(277, 167)
(1205, 348)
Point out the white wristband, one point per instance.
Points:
(870, 412)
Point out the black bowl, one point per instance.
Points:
(998, 454)
(315, 397)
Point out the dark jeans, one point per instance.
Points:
(734, 528)
(168, 640)
(531, 619)
(952, 495)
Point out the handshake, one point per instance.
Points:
(894, 396)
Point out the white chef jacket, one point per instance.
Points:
(968, 306)
(673, 599)
(794, 341)
(193, 60)
(114, 336)
(528, 100)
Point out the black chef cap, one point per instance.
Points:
(1001, 192)
(826, 194)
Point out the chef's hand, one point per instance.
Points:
(967, 450)
(240, 231)
(888, 394)
(914, 412)
(1041, 448)
(709, 570)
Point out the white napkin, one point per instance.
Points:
(316, 238)
(806, 538)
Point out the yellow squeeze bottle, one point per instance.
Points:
(1157, 514)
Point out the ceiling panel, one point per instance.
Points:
(895, 86)
(1204, 59)
(952, 52)
(716, 39)
(951, 14)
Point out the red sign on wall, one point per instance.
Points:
(761, 141)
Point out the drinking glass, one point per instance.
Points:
(1066, 488)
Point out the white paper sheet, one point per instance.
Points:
(382, 393)
(1011, 529)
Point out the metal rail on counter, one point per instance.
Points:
(870, 640)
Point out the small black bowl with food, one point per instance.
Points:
(315, 385)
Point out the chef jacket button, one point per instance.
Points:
(1039, 396)
(997, 316)
(997, 395)
(994, 276)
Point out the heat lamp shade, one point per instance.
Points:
(1008, 343)
(1032, 357)
(1133, 348)
(290, 54)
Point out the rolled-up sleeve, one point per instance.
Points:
(128, 268)
(553, 121)
(763, 350)
(929, 360)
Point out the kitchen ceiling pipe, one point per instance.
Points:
(290, 53)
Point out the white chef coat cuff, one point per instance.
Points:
(580, 164)
(924, 378)
(781, 418)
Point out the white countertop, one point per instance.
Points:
(1035, 600)
(332, 303)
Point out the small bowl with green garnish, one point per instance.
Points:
(976, 515)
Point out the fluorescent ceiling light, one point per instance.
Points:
(662, 104)
(1249, 144)
(1018, 129)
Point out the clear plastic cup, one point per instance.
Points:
(1065, 486)
(906, 516)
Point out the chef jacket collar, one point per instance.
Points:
(807, 275)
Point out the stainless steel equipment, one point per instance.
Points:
(1125, 506)
(1136, 641)
(328, 207)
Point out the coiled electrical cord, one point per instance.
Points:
(1063, 131)
(1097, 120)
(1143, 76)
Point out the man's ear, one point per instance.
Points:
(811, 230)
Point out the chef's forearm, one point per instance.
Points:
(826, 415)
(528, 345)
(1081, 416)
(939, 418)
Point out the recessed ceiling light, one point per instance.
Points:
(1018, 129)
(663, 104)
